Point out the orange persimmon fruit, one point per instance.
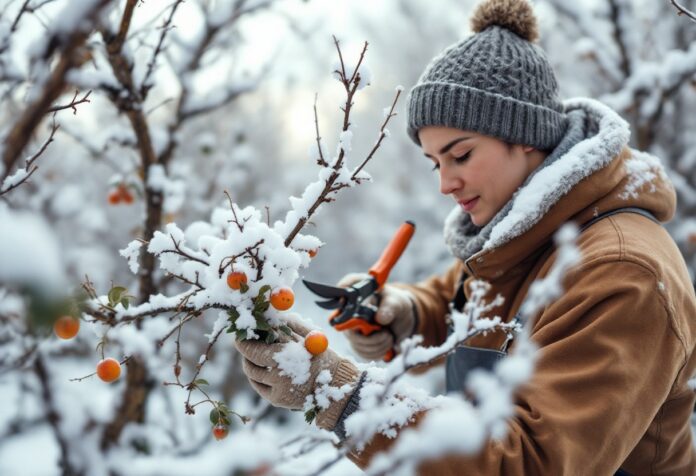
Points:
(126, 195)
(283, 299)
(114, 197)
(108, 369)
(235, 279)
(66, 327)
(220, 431)
(316, 342)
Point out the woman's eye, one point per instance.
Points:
(462, 158)
(459, 160)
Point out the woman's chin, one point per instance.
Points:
(478, 219)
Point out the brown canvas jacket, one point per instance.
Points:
(615, 351)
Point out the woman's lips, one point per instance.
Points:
(467, 206)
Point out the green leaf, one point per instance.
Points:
(201, 381)
(285, 329)
(125, 303)
(241, 334)
(214, 416)
(271, 338)
(310, 415)
(243, 287)
(115, 294)
(261, 324)
(219, 415)
(233, 314)
(264, 289)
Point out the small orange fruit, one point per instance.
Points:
(126, 196)
(316, 342)
(235, 279)
(114, 197)
(312, 253)
(283, 299)
(108, 369)
(66, 327)
(220, 431)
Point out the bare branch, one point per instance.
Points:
(230, 95)
(382, 134)
(73, 103)
(131, 106)
(30, 167)
(52, 415)
(587, 26)
(20, 134)
(180, 252)
(351, 86)
(617, 9)
(321, 161)
(24, 8)
(144, 87)
(115, 44)
(683, 11)
(197, 52)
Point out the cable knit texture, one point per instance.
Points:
(494, 82)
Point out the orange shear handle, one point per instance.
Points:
(365, 328)
(391, 254)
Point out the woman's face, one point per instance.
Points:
(480, 172)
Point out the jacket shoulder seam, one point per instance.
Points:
(619, 233)
(669, 311)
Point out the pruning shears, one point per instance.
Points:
(350, 309)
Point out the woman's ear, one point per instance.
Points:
(528, 148)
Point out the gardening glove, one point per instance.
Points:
(285, 374)
(396, 312)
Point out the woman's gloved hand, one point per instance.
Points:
(395, 312)
(273, 384)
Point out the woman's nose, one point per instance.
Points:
(449, 180)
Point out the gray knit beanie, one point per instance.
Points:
(495, 82)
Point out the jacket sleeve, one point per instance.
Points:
(609, 352)
(432, 298)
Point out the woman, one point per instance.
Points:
(609, 393)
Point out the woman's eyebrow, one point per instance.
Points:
(451, 144)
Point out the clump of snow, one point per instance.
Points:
(643, 170)
(324, 393)
(132, 254)
(294, 361)
(344, 142)
(364, 75)
(29, 253)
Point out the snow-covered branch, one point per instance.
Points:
(23, 174)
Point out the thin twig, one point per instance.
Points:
(179, 251)
(382, 134)
(80, 379)
(321, 161)
(30, 161)
(73, 103)
(144, 88)
(236, 220)
(683, 11)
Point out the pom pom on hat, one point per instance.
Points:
(514, 15)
